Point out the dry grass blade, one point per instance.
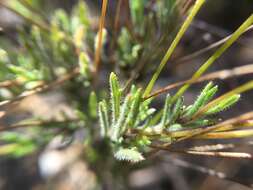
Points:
(227, 134)
(204, 50)
(215, 56)
(226, 125)
(204, 170)
(221, 75)
(117, 16)
(236, 155)
(100, 35)
(215, 147)
(198, 4)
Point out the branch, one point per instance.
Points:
(206, 49)
(100, 35)
(220, 75)
(42, 88)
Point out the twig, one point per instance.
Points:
(117, 16)
(100, 35)
(182, 30)
(41, 88)
(215, 147)
(186, 7)
(215, 30)
(206, 49)
(221, 75)
(204, 170)
(236, 155)
(226, 125)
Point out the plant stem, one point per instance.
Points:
(173, 46)
(222, 75)
(100, 35)
(215, 56)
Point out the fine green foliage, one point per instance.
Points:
(224, 104)
(130, 155)
(49, 53)
(130, 114)
(68, 52)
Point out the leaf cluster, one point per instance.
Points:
(131, 124)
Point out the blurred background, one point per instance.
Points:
(62, 169)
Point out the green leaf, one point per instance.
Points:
(224, 104)
(207, 93)
(115, 96)
(93, 105)
(166, 111)
(176, 110)
(103, 118)
(84, 65)
(117, 128)
(134, 109)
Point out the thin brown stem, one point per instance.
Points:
(236, 155)
(220, 75)
(226, 125)
(117, 16)
(204, 50)
(100, 35)
(204, 170)
(215, 147)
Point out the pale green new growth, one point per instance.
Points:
(103, 118)
(176, 110)
(115, 97)
(224, 104)
(131, 155)
(84, 64)
(216, 55)
(208, 92)
(117, 128)
(166, 111)
(135, 114)
(93, 105)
